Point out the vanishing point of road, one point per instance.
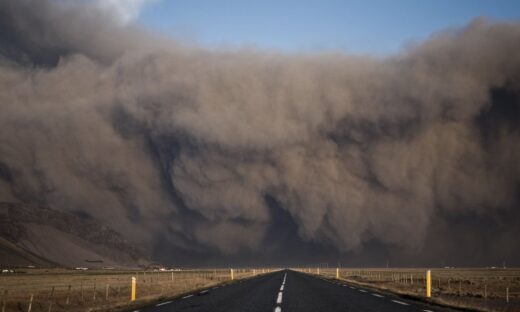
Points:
(290, 291)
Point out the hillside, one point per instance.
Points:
(38, 235)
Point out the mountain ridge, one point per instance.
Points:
(39, 235)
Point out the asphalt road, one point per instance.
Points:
(290, 291)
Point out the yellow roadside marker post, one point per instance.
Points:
(132, 295)
(428, 284)
(337, 273)
(232, 275)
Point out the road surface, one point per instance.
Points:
(289, 291)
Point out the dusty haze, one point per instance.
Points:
(211, 156)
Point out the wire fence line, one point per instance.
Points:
(488, 289)
(98, 290)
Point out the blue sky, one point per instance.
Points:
(375, 27)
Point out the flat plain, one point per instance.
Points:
(483, 289)
(72, 290)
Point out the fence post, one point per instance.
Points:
(107, 289)
(132, 294)
(30, 303)
(4, 300)
(231, 273)
(50, 307)
(337, 273)
(428, 284)
(68, 295)
(94, 296)
(507, 294)
(318, 271)
(485, 291)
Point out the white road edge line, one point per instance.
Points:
(279, 299)
(400, 302)
(378, 295)
(203, 292)
(162, 303)
(281, 287)
(362, 290)
(186, 297)
(277, 309)
(427, 310)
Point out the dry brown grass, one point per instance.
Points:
(478, 289)
(101, 290)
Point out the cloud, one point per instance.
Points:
(125, 11)
(206, 150)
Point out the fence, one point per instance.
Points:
(491, 289)
(79, 291)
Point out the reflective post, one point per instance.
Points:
(132, 295)
(428, 284)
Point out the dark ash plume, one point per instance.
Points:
(206, 151)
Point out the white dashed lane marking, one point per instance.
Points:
(280, 294)
(203, 292)
(400, 302)
(361, 290)
(378, 295)
(186, 297)
(163, 303)
(427, 310)
(279, 299)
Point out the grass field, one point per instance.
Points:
(109, 290)
(67, 290)
(478, 289)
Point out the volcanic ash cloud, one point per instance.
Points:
(160, 139)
